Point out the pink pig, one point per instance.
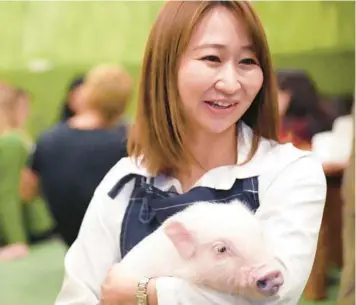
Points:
(220, 246)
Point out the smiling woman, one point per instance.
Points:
(219, 81)
(203, 65)
(205, 130)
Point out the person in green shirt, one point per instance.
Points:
(18, 221)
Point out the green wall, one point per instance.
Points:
(318, 36)
(294, 27)
(73, 32)
(334, 72)
(87, 32)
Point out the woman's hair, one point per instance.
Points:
(305, 103)
(67, 112)
(159, 133)
(108, 90)
(9, 99)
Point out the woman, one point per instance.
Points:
(69, 107)
(206, 126)
(72, 158)
(18, 222)
(302, 112)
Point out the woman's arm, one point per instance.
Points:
(120, 289)
(97, 247)
(291, 210)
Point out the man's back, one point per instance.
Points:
(71, 163)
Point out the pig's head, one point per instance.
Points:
(215, 252)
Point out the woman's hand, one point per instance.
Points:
(119, 288)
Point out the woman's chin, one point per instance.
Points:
(217, 129)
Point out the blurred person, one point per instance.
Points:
(18, 223)
(334, 147)
(70, 104)
(23, 109)
(342, 104)
(71, 159)
(301, 111)
(347, 283)
(305, 119)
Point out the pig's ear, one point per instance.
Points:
(181, 238)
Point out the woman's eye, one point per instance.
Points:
(248, 61)
(212, 58)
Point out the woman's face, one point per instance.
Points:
(283, 102)
(219, 75)
(77, 99)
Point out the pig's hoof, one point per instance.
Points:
(269, 284)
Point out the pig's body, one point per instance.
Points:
(218, 245)
(149, 257)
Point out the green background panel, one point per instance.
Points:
(318, 36)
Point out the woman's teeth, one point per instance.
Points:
(220, 105)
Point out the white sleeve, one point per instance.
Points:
(291, 210)
(96, 248)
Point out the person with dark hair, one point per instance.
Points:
(300, 108)
(69, 106)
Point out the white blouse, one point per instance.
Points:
(292, 192)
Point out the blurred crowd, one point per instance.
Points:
(46, 183)
(65, 164)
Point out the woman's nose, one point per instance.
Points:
(228, 81)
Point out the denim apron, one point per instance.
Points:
(149, 206)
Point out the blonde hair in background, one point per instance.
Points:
(8, 105)
(108, 89)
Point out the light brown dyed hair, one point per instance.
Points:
(108, 90)
(158, 133)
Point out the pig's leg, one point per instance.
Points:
(270, 283)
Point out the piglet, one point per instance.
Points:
(220, 246)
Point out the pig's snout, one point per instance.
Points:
(269, 284)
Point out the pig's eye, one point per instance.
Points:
(221, 249)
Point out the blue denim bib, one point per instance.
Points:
(149, 206)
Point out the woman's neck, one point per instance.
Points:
(211, 151)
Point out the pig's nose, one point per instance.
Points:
(261, 283)
(269, 284)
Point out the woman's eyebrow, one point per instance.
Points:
(210, 45)
(246, 47)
